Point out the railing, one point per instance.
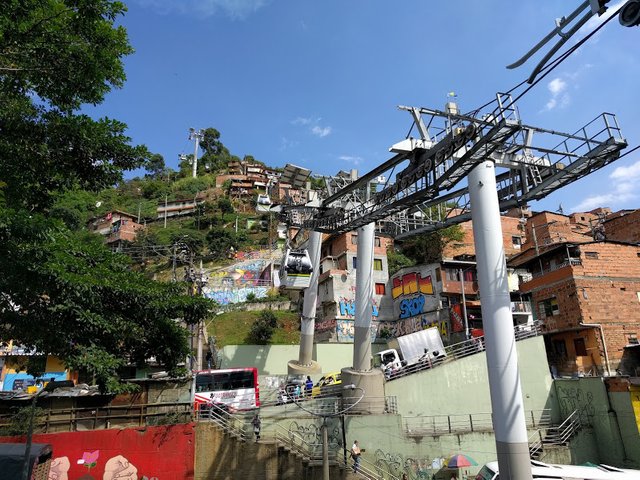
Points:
(96, 418)
(366, 469)
(561, 434)
(467, 423)
(571, 262)
(328, 402)
(459, 350)
(536, 444)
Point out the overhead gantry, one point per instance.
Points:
(462, 167)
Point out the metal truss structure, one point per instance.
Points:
(428, 190)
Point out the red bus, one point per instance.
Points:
(231, 388)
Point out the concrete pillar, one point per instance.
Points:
(502, 361)
(305, 365)
(370, 382)
(364, 292)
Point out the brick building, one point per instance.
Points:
(586, 293)
(117, 227)
(337, 286)
(432, 295)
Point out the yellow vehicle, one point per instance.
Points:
(325, 384)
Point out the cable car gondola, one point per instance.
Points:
(295, 272)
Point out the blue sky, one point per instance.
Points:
(317, 83)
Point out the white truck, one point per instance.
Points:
(421, 347)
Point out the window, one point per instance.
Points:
(380, 289)
(354, 262)
(452, 274)
(376, 241)
(439, 278)
(591, 255)
(354, 239)
(548, 308)
(517, 242)
(581, 348)
(377, 264)
(632, 339)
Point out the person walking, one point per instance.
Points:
(256, 426)
(355, 454)
(308, 386)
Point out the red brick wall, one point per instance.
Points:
(602, 290)
(624, 228)
(162, 453)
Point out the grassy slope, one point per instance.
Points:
(233, 328)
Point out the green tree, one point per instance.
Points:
(396, 260)
(262, 329)
(428, 248)
(225, 206)
(220, 241)
(64, 293)
(155, 165)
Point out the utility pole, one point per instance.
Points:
(197, 136)
(464, 305)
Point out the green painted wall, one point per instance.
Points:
(621, 405)
(462, 386)
(457, 389)
(273, 359)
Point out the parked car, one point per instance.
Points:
(326, 384)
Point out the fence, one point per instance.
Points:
(95, 418)
(473, 422)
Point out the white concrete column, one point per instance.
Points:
(502, 360)
(305, 364)
(364, 293)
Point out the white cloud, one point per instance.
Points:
(236, 9)
(624, 185)
(314, 125)
(286, 143)
(301, 121)
(557, 86)
(630, 172)
(320, 131)
(559, 95)
(351, 159)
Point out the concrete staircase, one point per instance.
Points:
(557, 435)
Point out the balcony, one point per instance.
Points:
(521, 308)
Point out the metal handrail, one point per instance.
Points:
(475, 422)
(460, 350)
(367, 469)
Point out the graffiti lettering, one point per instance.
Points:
(225, 296)
(348, 308)
(411, 325)
(411, 283)
(345, 330)
(325, 325)
(411, 307)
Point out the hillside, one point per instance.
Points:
(232, 328)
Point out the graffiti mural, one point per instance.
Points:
(325, 325)
(572, 398)
(410, 307)
(345, 330)
(414, 468)
(411, 325)
(457, 323)
(348, 308)
(411, 283)
(149, 453)
(226, 296)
